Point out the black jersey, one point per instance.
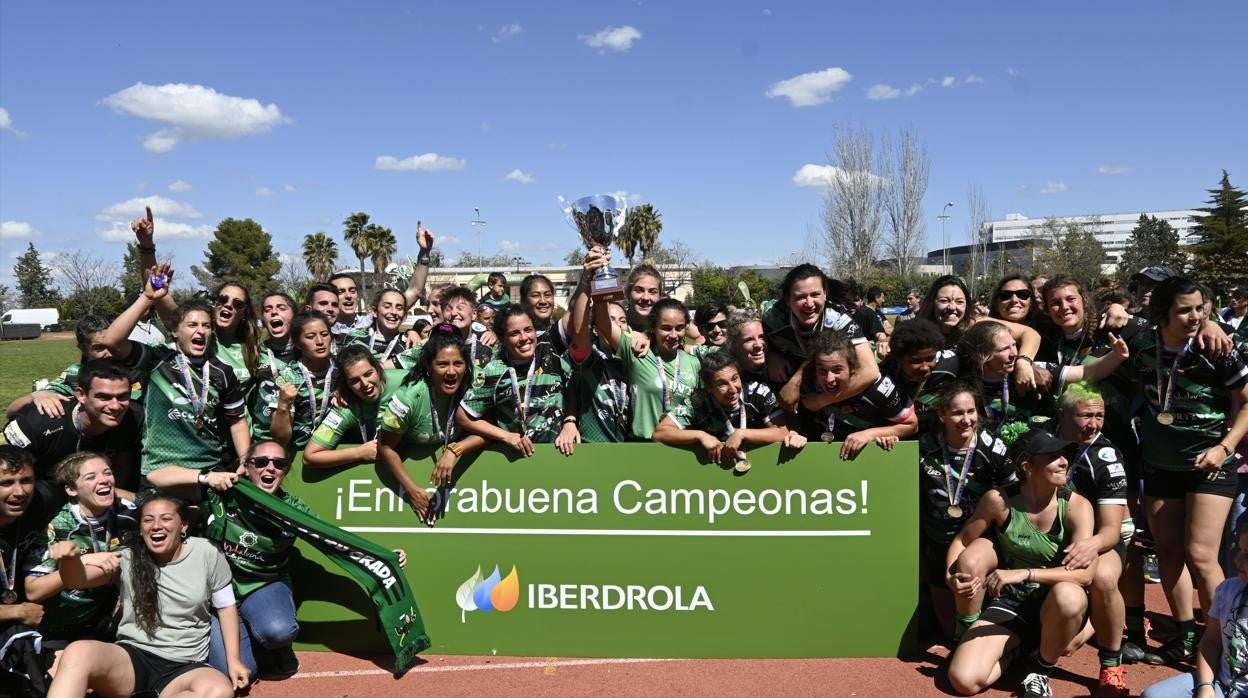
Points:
(50, 439)
(1099, 473)
(941, 467)
(880, 404)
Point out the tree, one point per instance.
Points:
(293, 276)
(575, 257)
(382, 246)
(34, 280)
(242, 251)
(908, 165)
(676, 253)
(89, 283)
(498, 260)
(853, 202)
(320, 255)
(103, 301)
(714, 283)
(129, 279)
(1222, 237)
(354, 231)
(6, 298)
(1153, 243)
(645, 224)
(1069, 248)
(977, 232)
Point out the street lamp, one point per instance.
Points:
(518, 261)
(480, 226)
(944, 236)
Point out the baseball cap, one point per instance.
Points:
(1154, 274)
(1040, 442)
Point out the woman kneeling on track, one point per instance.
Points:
(168, 582)
(1035, 597)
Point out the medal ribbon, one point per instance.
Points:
(372, 342)
(1168, 394)
(450, 418)
(1074, 358)
(741, 420)
(199, 404)
(522, 404)
(658, 362)
(10, 572)
(1070, 471)
(326, 393)
(954, 490)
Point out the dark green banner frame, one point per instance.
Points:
(636, 550)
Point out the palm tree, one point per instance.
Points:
(645, 224)
(382, 246)
(320, 253)
(356, 235)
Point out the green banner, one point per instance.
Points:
(637, 550)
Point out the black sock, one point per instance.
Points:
(1043, 667)
(1187, 631)
(1135, 625)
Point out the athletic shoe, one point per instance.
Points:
(1113, 683)
(1036, 685)
(1133, 653)
(1152, 574)
(283, 666)
(1178, 651)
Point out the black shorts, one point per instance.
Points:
(932, 563)
(152, 673)
(1177, 484)
(1018, 611)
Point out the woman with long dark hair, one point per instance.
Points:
(362, 388)
(421, 413)
(236, 339)
(306, 387)
(170, 583)
(1013, 300)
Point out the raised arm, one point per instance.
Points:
(420, 273)
(577, 318)
(607, 330)
(117, 336)
(145, 235)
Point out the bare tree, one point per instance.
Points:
(907, 165)
(854, 201)
(293, 276)
(82, 271)
(977, 217)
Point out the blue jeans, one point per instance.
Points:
(1236, 522)
(1181, 686)
(266, 616)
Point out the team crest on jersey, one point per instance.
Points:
(1107, 454)
(1116, 470)
(886, 386)
(479, 379)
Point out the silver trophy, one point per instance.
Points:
(598, 219)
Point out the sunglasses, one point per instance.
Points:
(263, 462)
(721, 325)
(1023, 294)
(235, 303)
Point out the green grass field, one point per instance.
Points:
(22, 361)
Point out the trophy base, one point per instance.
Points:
(606, 288)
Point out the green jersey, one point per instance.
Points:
(356, 423)
(501, 391)
(786, 343)
(311, 402)
(601, 387)
(1200, 398)
(65, 383)
(480, 353)
(231, 354)
(84, 613)
(659, 386)
(190, 405)
(418, 419)
(262, 398)
(257, 552)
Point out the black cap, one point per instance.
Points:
(1154, 274)
(1040, 442)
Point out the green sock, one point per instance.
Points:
(963, 623)
(1187, 631)
(1110, 657)
(1135, 625)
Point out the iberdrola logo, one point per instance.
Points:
(489, 593)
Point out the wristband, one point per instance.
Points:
(1031, 576)
(147, 248)
(1024, 357)
(1202, 684)
(569, 419)
(202, 478)
(1224, 448)
(455, 448)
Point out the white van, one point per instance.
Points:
(46, 318)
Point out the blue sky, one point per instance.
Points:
(297, 114)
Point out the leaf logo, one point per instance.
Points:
(492, 593)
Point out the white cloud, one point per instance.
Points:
(1113, 169)
(510, 246)
(811, 89)
(289, 189)
(11, 230)
(916, 88)
(881, 92)
(429, 162)
(519, 176)
(617, 39)
(265, 191)
(626, 197)
(822, 176)
(972, 79)
(507, 32)
(1054, 186)
(948, 81)
(1013, 72)
(766, 12)
(135, 207)
(180, 186)
(120, 231)
(448, 240)
(193, 111)
(6, 123)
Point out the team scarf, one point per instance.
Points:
(373, 567)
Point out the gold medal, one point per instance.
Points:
(954, 511)
(1165, 418)
(9, 597)
(199, 422)
(742, 466)
(827, 437)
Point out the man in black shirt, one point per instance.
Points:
(23, 519)
(100, 420)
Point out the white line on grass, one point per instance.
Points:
(607, 532)
(426, 669)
